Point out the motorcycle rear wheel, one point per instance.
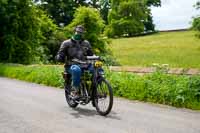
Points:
(69, 99)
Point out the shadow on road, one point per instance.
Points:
(80, 112)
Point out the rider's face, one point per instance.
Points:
(78, 35)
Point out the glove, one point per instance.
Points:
(60, 58)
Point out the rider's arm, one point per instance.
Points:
(89, 50)
(60, 57)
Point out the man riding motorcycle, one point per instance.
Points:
(75, 48)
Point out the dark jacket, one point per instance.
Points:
(71, 49)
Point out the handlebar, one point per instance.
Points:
(89, 59)
(79, 61)
(94, 57)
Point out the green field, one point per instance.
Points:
(178, 49)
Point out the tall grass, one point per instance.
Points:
(179, 91)
(174, 90)
(178, 49)
(42, 74)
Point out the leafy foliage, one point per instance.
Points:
(103, 6)
(179, 91)
(23, 28)
(153, 3)
(196, 20)
(90, 18)
(130, 17)
(93, 23)
(28, 35)
(53, 42)
(61, 11)
(104, 9)
(149, 26)
(197, 5)
(48, 75)
(196, 25)
(127, 18)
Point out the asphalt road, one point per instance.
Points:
(32, 108)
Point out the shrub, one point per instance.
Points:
(23, 28)
(90, 18)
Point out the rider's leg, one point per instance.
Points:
(75, 71)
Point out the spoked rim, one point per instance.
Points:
(104, 97)
(69, 100)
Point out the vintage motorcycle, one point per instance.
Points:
(94, 87)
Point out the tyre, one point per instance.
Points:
(104, 97)
(68, 97)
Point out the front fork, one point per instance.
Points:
(67, 82)
(95, 82)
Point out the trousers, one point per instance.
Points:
(76, 71)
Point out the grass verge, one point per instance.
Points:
(41, 74)
(179, 91)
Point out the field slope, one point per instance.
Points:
(178, 49)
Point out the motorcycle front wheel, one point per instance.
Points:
(104, 97)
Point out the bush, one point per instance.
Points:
(23, 28)
(90, 18)
(52, 44)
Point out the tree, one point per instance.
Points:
(61, 11)
(196, 20)
(149, 26)
(23, 28)
(131, 17)
(198, 5)
(103, 6)
(155, 3)
(126, 18)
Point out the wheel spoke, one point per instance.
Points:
(104, 97)
(69, 100)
